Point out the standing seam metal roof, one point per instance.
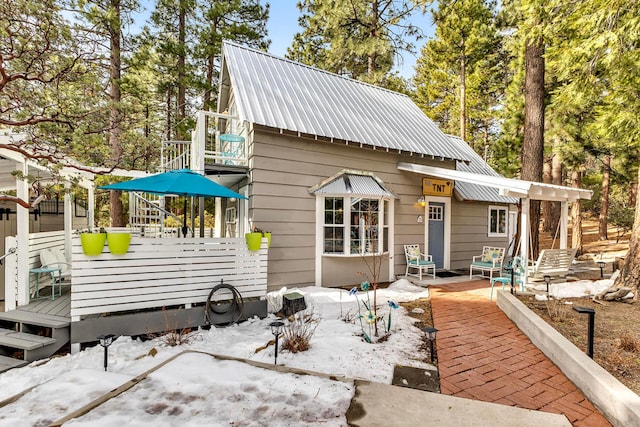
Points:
(283, 94)
(348, 183)
(476, 192)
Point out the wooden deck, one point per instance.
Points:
(60, 306)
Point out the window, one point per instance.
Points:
(333, 225)
(361, 234)
(497, 221)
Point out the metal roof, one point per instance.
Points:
(470, 190)
(352, 184)
(283, 94)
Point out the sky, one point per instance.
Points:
(283, 25)
(231, 392)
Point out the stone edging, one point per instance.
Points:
(618, 404)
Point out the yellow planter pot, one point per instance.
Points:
(118, 243)
(92, 243)
(268, 236)
(253, 241)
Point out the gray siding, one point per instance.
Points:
(469, 222)
(283, 168)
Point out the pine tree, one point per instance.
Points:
(358, 38)
(458, 76)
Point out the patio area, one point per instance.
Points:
(483, 356)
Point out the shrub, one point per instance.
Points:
(557, 310)
(629, 342)
(298, 332)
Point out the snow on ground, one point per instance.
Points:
(577, 289)
(187, 386)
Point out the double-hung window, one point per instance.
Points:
(497, 221)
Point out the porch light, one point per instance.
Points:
(430, 333)
(106, 341)
(422, 202)
(547, 280)
(275, 330)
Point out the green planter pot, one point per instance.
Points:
(253, 241)
(92, 243)
(268, 236)
(118, 243)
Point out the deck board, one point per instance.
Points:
(61, 306)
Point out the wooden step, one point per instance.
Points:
(37, 319)
(7, 363)
(23, 341)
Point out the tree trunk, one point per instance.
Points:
(576, 214)
(463, 93)
(630, 275)
(211, 64)
(604, 199)
(556, 179)
(533, 144)
(547, 206)
(181, 69)
(115, 121)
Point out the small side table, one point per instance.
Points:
(56, 275)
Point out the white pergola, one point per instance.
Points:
(523, 190)
(72, 172)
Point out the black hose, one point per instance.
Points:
(236, 305)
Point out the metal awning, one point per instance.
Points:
(507, 186)
(361, 184)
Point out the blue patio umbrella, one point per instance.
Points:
(182, 182)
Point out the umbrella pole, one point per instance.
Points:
(184, 223)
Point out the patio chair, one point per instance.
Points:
(418, 261)
(490, 261)
(514, 265)
(54, 258)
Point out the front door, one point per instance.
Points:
(435, 218)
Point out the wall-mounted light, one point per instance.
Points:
(420, 219)
(422, 202)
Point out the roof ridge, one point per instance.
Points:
(300, 64)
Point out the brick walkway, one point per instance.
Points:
(482, 355)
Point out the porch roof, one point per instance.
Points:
(507, 186)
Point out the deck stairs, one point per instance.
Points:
(147, 215)
(27, 336)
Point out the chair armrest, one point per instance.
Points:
(57, 264)
(475, 257)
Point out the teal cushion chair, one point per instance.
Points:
(418, 261)
(514, 264)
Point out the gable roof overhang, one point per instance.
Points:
(507, 186)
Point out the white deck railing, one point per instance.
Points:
(37, 242)
(158, 273)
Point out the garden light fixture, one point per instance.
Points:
(601, 264)
(547, 280)
(275, 330)
(430, 333)
(592, 320)
(106, 341)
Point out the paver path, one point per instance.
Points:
(482, 355)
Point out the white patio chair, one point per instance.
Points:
(54, 258)
(418, 261)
